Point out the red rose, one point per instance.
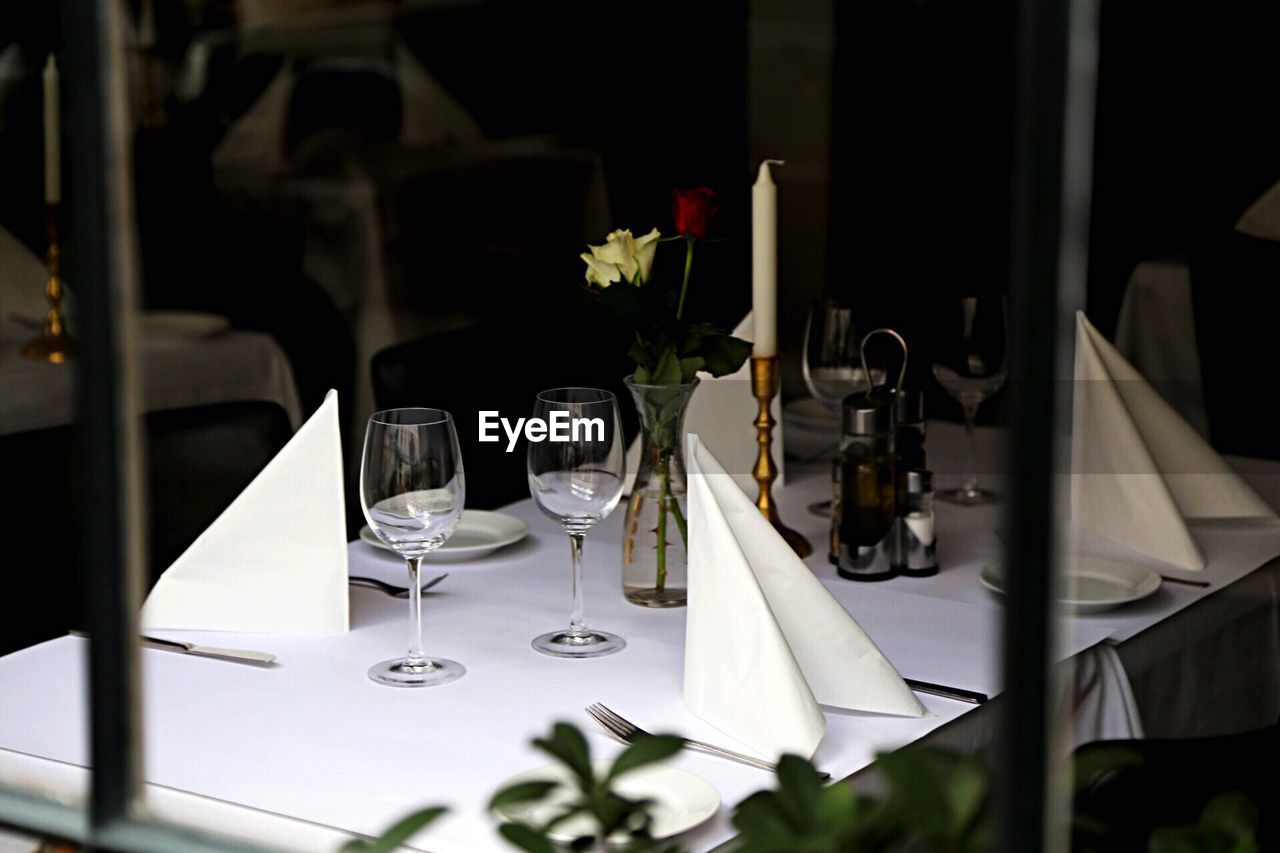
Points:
(693, 211)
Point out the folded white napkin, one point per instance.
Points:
(1262, 219)
(276, 559)
(1138, 469)
(765, 642)
(721, 412)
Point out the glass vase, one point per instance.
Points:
(655, 545)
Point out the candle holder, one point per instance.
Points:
(765, 382)
(54, 344)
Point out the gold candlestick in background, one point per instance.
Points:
(54, 344)
(765, 382)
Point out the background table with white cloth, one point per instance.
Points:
(310, 749)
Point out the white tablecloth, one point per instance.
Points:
(315, 740)
(236, 366)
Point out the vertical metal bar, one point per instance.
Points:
(102, 268)
(1056, 63)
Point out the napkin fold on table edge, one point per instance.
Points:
(1139, 470)
(765, 641)
(275, 560)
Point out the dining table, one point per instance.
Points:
(179, 370)
(309, 752)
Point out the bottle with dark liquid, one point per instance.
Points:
(863, 517)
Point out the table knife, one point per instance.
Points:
(960, 695)
(184, 647)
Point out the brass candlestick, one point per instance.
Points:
(54, 344)
(765, 382)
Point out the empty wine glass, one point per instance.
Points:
(970, 364)
(577, 482)
(412, 491)
(832, 370)
(832, 367)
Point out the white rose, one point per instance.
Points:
(622, 258)
(601, 273)
(646, 247)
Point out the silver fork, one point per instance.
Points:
(392, 589)
(625, 730)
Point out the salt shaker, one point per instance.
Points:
(914, 541)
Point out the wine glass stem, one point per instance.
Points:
(415, 657)
(971, 475)
(577, 624)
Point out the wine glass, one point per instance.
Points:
(577, 482)
(971, 366)
(412, 491)
(832, 366)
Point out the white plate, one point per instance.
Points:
(1094, 584)
(480, 532)
(183, 324)
(681, 800)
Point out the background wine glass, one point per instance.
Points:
(577, 483)
(412, 491)
(971, 366)
(831, 365)
(832, 370)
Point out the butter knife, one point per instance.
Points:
(184, 647)
(973, 697)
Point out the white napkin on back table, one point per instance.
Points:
(765, 642)
(1138, 469)
(276, 559)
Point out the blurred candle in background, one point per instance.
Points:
(764, 260)
(52, 125)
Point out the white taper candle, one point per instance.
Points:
(52, 142)
(764, 260)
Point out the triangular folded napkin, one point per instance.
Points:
(765, 642)
(1138, 469)
(276, 559)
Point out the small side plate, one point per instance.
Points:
(1093, 585)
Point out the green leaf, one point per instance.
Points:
(639, 353)
(526, 838)
(799, 789)
(522, 792)
(566, 815)
(642, 375)
(646, 750)
(1234, 814)
(723, 354)
(939, 794)
(689, 368)
(1090, 765)
(400, 832)
(667, 370)
(569, 747)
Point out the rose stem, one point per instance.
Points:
(663, 475)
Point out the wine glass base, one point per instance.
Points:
(431, 673)
(587, 644)
(967, 497)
